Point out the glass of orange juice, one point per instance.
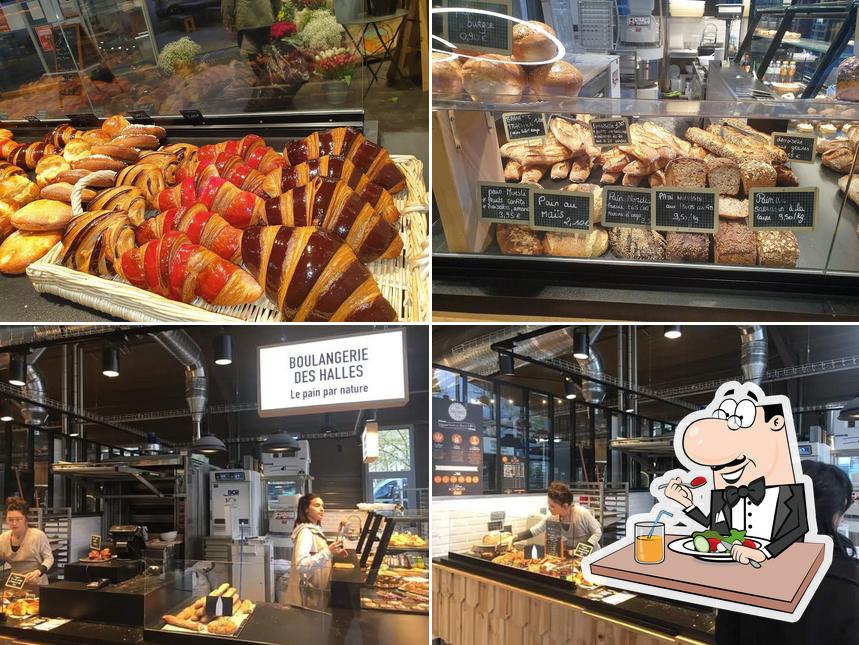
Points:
(649, 542)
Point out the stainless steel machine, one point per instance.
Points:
(236, 504)
(287, 477)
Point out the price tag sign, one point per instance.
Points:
(494, 516)
(219, 606)
(694, 210)
(481, 32)
(583, 549)
(194, 116)
(504, 203)
(15, 581)
(799, 147)
(83, 119)
(494, 526)
(95, 542)
(33, 120)
(783, 208)
(610, 132)
(524, 125)
(629, 207)
(140, 116)
(560, 210)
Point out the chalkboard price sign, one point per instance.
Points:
(693, 210)
(560, 210)
(479, 31)
(799, 147)
(140, 116)
(610, 132)
(554, 539)
(783, 208)
(524, 125)
(95, 542)
(495, 516)
(630, 207)
(583, 549)
(494, 526)
(504, 203)
(15, 581)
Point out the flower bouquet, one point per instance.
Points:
(336, 66)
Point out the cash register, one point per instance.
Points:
(129, 542)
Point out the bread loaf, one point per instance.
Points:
(777, 248)
(686, 172)
(735, 244)
(723, 175)
(757, 174)
(22, 248)
(576, 245)
(558, 79)
(531, 45)
(847, 80)
(493, 79)
(637, 244)
(518, 240)
(733, 209)
(42, 215)
(446, 74)
(687, 247)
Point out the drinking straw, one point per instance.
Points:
(656, 521)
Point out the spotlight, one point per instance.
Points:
(223, 349)
(208, 444)
(18, 370)
(672, 332)
(505, 365)
(629, 410)
(850, 411)
(581, 344)
(110, 362)
(569, 389)
(5, 410)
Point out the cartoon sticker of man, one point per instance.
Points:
(745, 444)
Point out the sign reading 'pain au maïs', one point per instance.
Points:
(339, 373)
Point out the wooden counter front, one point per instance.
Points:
(474, 610)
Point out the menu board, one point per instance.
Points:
(610, 132)
(15, 581)
(512, 474)
(799, 147)
(630, 207)
(478, 31)
(561, 210)
(457, 452)
(554, 539)
(685, 209)
(504, 203)
(524, 125)
(783, 208)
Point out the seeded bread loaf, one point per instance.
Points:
(735, 244)
(777, 248)
(637, 244)
(686, 172)
(785, 176)
(733, 208)
(724, 175)
(757, 174)
(518, 240)
(687, 247)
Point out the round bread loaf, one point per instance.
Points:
(577, 245)
(847, 80)
(558, 79)
(687, 247)
(531, 45)
(597, 201)
(493, 79)
(637, 244)
(518, 240)
(446, 74)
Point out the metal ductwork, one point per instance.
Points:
(753, 352)
(592, 392)
(34, 415)
(184, 349)
(33, 335)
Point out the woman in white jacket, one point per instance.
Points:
(312, 556)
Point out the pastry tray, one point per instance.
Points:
(403, 281)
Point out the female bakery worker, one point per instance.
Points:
(577, 523)
(24, 548)
(312, 556)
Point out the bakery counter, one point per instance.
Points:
(270, 623)
(74, 632)
(22, 303)
(471, 601)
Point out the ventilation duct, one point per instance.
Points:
(34, 415)
(592, 392)
(753, 352)
(34, 335)
(184, 349)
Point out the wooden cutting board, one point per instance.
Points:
(777, 585)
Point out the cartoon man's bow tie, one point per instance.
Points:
(755, 491)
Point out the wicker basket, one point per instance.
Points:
(404, 281)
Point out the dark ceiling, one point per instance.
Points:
(151, 380)
(703, 353)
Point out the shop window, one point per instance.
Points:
(562, 441)
(512, 434)
(538, 441)
(447, 384)
(482, 393)
(390, 479)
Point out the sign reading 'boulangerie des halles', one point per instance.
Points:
(338, 373)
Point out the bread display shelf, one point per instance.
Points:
(403, 281)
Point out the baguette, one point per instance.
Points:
(200, 602)
(185, 624)
(186, 613)
(229, 593)
(220, 590)
(247, 607)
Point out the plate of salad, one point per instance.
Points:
(707, 545)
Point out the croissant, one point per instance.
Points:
(237, 172)
(149, 179)
(62, 134)
(280, 180)
(95, 242)
(312, 275)
(6, 228)
(27, 156)
(370, 158)
(175, 268)
(7, 170)
(239, 207)
(8, 146)
(202, 227)
(251, 149)
(336, 208)
(122, 198)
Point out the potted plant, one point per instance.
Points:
(336, 67)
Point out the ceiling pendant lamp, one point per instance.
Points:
(672, 332)
(110, 362)
(208, 444)
(18, 369)
(505, 365)
(569, 389)
(581, 343)
(223, 347)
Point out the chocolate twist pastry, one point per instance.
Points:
(7, 170)
(122, 198)
(62, 134)
(175, 268)
(281, 180)
(28, 156)
(370, 158)
(148, 179)
(95, 242)
(201, 226)
(168, 162)
(312, 275)
(336, 208)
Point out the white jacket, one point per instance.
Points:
(311, 563)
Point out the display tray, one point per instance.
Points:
(403, 281)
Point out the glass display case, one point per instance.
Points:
(537, 177)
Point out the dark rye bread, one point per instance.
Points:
(311, 275)
(735, 244)
(636, 244)
(723, 175)
(686, 172)
(687, 247)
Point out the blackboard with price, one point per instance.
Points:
(692, 210)
(623, 206)
(481, 32)
(504, 203)
(783, 208)
(561, 210)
